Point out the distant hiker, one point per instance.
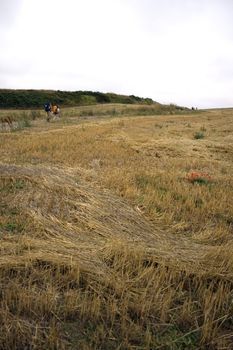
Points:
(48, 109)
(56, 110)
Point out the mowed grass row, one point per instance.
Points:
(138, 300)
(74, 275)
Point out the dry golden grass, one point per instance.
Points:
(104, 242)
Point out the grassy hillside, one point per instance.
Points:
(116, 230)
(37, 98)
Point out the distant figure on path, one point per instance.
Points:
(51, 109)
(48, 109)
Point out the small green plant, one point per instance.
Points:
(12, 186)
(198, 135)
(199, 178)
(11, 227)
(20, 184)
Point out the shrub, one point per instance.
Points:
(199, 135)
(198, 177)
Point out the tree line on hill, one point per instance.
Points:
(36, 98)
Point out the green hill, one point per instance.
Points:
(36, 98)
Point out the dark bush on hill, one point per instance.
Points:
(36, 98)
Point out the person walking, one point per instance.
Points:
(48, 110)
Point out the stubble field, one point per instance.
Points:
(116, 230)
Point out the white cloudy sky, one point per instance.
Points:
(174, 51)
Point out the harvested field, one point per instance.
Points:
(106, 244)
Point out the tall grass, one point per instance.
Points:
(15, 120)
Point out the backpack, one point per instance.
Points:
(47, 107)
(54, 109)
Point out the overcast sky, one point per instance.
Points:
(174, 51)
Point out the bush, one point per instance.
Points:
(199, 135)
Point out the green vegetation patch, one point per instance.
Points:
(12, 184)
(199, 135)
(11, 226)
(36, 98)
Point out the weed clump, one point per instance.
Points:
(199, 178)
(198, 135)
